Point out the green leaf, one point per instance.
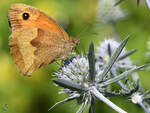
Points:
(121, 76)
(64, 101)
(113, 58)
(127, 54)
(91, 59)
(69, 84)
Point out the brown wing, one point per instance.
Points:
(35, 47)
(50, 47)
(37, 40)
(36, 19)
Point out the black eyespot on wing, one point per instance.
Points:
(25, 16)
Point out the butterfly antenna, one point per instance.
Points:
(83, 30)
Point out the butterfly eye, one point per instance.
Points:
(25, 16)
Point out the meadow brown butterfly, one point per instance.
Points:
(36, 39)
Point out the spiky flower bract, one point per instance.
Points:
(107, 48)
(130, 88)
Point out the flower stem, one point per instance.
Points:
(96, 93)
(113, 71)
(144, 107)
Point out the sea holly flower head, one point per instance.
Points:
(136, 98)
(84, 80)
(107, 48)
(142, 99)
(107, 12)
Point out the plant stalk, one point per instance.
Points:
(96, 93)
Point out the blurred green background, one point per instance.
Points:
(37, 93)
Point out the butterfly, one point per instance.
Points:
(36, 39)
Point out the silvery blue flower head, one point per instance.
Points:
(84, 80)
(105, 52)
(107, 48)
(107, 12)
(77, 70)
